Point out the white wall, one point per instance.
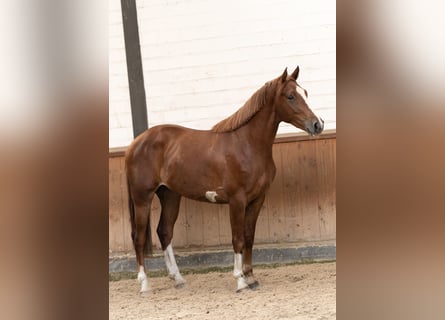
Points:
(203, 59)
(120, 125)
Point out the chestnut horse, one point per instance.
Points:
(231, 163)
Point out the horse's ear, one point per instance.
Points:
(295, 73)
(284, 75)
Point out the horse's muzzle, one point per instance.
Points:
(314, 126)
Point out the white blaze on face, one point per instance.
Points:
(300, 91)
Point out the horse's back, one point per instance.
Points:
(156, 138)
(160, 141)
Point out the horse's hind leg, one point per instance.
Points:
(170, 202)
(142, 207)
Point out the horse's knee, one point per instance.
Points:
(238, 244)
(248, 242)
(164, 237)
(138, 238)
(139, 243)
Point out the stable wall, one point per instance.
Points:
(300, 205)
(202, 60)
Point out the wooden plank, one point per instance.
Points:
(303, 136)
(116, 152)
(262, 227)
(326, 155)
(225, 232)
(274, 205)
(281, 138)
(194, 221)
(307, 190)
(210, 223)
(180, 231)
(115, 221)
(293, 217)
(300, 204)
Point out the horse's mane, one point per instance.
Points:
(245, 113)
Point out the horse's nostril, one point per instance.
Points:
(318, 126)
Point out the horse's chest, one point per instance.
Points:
(261, 180)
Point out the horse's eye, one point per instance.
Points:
(290, 97)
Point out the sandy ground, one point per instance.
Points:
(287, 292)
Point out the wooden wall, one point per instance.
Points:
(300, 205)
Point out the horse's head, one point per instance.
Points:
(291, 104)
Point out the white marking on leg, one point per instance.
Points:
(237, 265)
(238, 271)
(173, 270)
(211, 196)
(142, 278)
(168, 265)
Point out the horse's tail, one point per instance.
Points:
(148, 251)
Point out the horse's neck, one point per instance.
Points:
(262, 128)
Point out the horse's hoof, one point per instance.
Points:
(145, 288)
(242, 289)
(254, 285)
(179, 282)
(241, 284)
(145, 293)
(180, 285)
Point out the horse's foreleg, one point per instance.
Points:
(252, 212)
(170, 202)
(237, 211)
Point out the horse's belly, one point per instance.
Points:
(210, 180)
(200, 193)
(197, 185)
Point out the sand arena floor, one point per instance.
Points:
(302, 291)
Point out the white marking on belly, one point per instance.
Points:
(211, 196)
(160, 185)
